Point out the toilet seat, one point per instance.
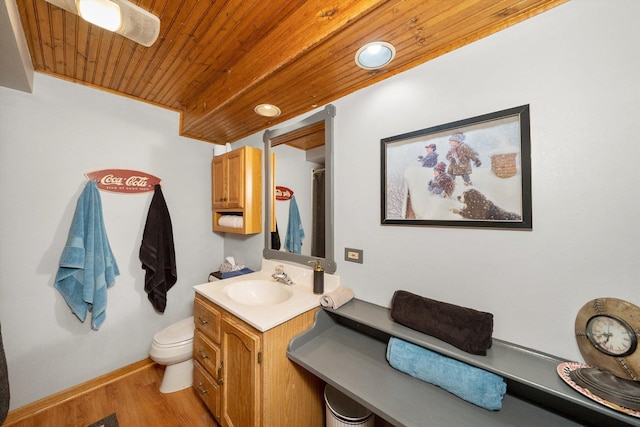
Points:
(176, 335)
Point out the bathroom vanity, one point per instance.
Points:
(243, 375)
(243, 328)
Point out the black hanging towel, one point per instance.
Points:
(157, 252)
(275, 239)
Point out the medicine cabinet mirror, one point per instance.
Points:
(299, 158)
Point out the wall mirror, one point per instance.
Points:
(299, 191)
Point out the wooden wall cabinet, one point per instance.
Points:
(244, 376)
(236, 187)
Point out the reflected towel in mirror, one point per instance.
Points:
(295, 232)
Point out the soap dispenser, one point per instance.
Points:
(318, 277)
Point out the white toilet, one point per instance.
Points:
(173, 347)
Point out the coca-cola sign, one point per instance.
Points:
(283, 193)
(123, 180)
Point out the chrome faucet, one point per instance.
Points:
(281, 276)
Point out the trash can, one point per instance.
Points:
(342, 411)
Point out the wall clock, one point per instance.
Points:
(607, 333)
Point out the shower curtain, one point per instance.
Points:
(317, 239)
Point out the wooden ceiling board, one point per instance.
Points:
(216, 59)
(289, 40)
(306, 138)
(311, 75)
(222, 49)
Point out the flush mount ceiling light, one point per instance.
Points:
(267, 110)
(119, 16)
(375, 55)
(103, 13)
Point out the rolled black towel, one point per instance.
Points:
(467, 329)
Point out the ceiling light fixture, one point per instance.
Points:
(124, 18)
(375, 55)
(103, 13)
(267, 110)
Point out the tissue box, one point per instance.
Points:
(228, 274)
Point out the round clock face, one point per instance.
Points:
(611, 335)
(606, 332)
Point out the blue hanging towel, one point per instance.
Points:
(295, 232)
(87, 266)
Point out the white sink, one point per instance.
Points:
(258, 292)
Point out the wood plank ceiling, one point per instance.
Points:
(216, 59)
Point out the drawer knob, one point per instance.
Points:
(202, 354)
(202, 320)
(201, 389)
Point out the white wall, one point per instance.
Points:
(48, 140)
(576, 68)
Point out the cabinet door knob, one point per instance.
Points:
(202, 354)
(202, 320)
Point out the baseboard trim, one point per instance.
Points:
(21, 414)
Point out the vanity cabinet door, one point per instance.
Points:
(241, 374)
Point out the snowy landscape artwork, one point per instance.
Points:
(471, 173)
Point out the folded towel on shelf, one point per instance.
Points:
(231, 221)
(336, 298)
(157, 252)
(467, 329)
(475, 385)
(87, 266)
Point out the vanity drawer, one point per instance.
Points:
(207, 354)
(207, 318)
(207, 389)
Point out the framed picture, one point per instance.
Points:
(474, 172)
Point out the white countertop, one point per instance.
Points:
(265, 317)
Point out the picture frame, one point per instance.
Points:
(478, 174)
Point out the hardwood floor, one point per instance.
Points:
(132, 393)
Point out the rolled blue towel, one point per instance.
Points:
(475, 385)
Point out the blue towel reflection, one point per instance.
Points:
(295, 232)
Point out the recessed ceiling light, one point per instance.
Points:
(267, 110)
(375, 55)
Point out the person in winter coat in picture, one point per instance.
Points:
(431, 159)
(442, 184)
(460, 157)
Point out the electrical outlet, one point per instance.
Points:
(353, 255)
